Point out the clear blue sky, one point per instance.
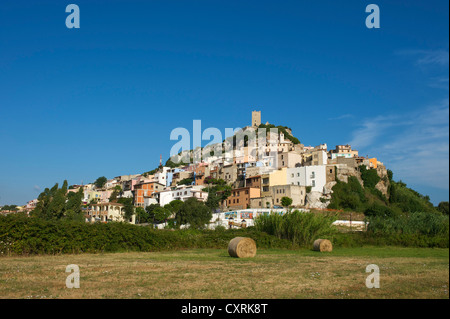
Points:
(77, 104)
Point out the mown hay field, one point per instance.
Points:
(212, 273)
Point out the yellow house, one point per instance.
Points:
(278, 177)
(275, 178)
(93, 195)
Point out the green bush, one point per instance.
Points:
(377, 209)
(408, 200)
(348, 195)
(25, 235)
(369, 176)
(419, 223)
(300, 228)
(360, 239)
(418, 229)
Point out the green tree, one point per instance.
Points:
(116, 193)
(161, 214)
(141, 215)
(286, 201)
(213, 201)
(128, 207)
(100, 182)
(186, 181)
(443, 207)
(58, 203)
(390, 174)
(73, 209)
(151, 212)
(369, 176)
(10, 208)
(174, 206)
(194, 213)
(348, 195)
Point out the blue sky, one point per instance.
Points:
(77, 104)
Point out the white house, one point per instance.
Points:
(161, 177)
(182, 193)
(314, 176)
(106, 212)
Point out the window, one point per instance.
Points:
(292, 175)
(237, 201)
(313, 183)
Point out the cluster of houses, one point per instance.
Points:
(259, 179)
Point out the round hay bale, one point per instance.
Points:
(322, 245)
(242, 247)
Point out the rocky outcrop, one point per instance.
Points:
(328, 188)
(383, 184)
(343, 172)
(313, 200)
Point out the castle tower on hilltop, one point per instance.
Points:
(256, 118)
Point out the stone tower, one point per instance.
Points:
(256, 118)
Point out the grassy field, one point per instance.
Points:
(211, 273)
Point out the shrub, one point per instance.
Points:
(369, 176)
(300, 228)
(377, 209)
(419, 223)
(409, 200)
(443, 207)
(24, 235)
(348, 195)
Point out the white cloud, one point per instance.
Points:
(439, 83)
(428, 57)
(341, 117)
(415, 146)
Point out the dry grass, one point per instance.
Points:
(405, 273)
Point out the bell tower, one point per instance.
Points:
(256, 118)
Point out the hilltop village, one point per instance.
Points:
(283, 167)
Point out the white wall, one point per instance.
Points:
(314, 176)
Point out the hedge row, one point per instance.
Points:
(25, 236)
(360, 239)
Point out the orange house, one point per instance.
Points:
(240, 197)
(145, 190)
(200, 174)
(373, 162)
